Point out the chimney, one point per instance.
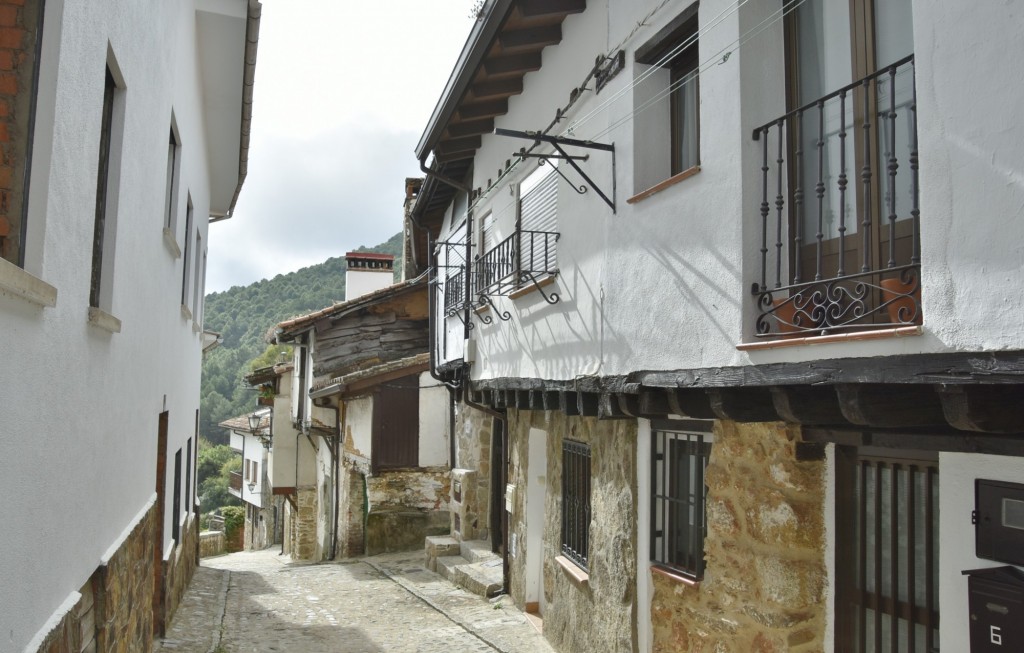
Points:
(367, 272)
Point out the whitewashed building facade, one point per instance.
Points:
(756, 341)
(126, 128)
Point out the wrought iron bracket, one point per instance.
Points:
(557, 142)
(485, 300)
(553, 298)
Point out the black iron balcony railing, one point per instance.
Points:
(235, 481)
(523, 258)
(840, 218)
(455, 291)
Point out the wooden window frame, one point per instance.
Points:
(100, 225)
(395, 431)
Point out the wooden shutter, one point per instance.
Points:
(396, 418)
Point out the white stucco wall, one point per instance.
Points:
(363, 282)
(665, 282)
(81, 405)
(359, 422)
(433, 422)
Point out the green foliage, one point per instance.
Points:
(243, 316)
(214, 466)
(234, 524)
(271, 355)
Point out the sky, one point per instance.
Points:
(343, 92)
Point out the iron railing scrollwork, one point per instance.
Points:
(526, 257)
(840, 212)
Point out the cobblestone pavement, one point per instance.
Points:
(260, 601)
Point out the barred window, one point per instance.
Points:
(576, 501)
(679, 457)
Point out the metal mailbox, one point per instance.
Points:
(999, 521)
(996, 601)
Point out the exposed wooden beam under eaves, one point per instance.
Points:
(457, 146)
(497, 89)
(516, 64)
(535, 8)
(483, 109)
(534, 38)
(472, 128)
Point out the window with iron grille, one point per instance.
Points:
(887, 551)
(576, 501)
(679, 457)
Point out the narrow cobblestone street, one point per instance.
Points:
(260, 601)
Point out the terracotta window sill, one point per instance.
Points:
(579, 577)
(674, 576)
(17, 282)
(657, 188)
(878, 334)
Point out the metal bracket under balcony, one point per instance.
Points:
(558, 142)
(524, 259)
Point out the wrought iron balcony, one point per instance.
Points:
(839, 213)
(525, 257)
(455, 291)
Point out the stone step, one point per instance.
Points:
(480, 578)
(439, 546)
(446, 566)
(477, 551)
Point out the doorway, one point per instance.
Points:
(536, 498)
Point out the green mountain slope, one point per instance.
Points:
(243, 315)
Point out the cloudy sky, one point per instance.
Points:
(343, 91)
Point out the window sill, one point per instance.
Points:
(104, 320)
(19, 283)
(579, 577)
(533, 287)
(186, 312)
(196, 328)
(674, 576)
(877, 334)
(171, 243)
(657, 188)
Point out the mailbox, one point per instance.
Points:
(999, 521)
(996, 600)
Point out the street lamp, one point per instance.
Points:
(254, 428)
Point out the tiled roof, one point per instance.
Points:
(297, 323)
(376, 370)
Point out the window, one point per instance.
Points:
(576, 502)
(107, 181)
(669, 70)
(173, 172)
(396, 416)
(538, 223)
(176, 510)
(186, 263)
(887, 551)
(679, 457)
(188, 476)
(197, 277)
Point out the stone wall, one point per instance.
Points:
(121, 603)
(405, 507)
(302, 525)
(765, 581)
(598, 615)
(473, 430)
(181, 566)
(211, 543)
(351, 526)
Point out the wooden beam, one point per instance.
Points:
(743, 404)
(479, 110)
(552, 400)
(523, 399)
(942, 439)
(535, 8)
(536, 400)
(887, 406)
(458, 145)
(690, 403)
(476, 396)
(470, 128)
(992, 409)
(608, 407)
(807, 404)
(514, 64)
(497, 88)
(653, 403)
(533, 38)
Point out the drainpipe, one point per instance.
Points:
(338, 421)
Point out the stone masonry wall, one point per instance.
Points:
(122, 602)
(211, 543)
(473, 430)
(765, 579)
(181, 567)
(353, 511)
(303, 525)
(405, 507)
(598, 615)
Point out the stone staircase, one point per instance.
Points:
(469, 564)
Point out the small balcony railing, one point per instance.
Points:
(839, 212)
(523, 258)
(455, 291)
(235, 482)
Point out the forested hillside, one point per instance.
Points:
(243, 315)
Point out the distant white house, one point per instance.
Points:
(126, 133)
(737, 287)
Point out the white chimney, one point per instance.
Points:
(367, 272)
